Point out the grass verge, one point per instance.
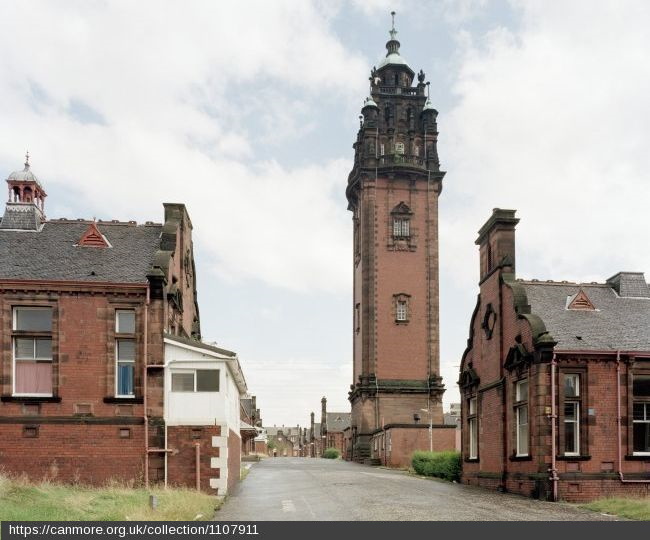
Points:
(622, 506)
(244, 472)
(21, 500)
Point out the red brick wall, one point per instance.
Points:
(335, 440)
(595, 473)
(89, 454)
(181, 461)
(381, 346)
(405, 441)
(79, 433)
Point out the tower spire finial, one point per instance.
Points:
(27, 160)
(393, 32)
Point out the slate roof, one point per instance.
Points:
(21, 216)
(337, 421)
(618, 323)
(50, 254)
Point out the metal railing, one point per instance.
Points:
(399, 90)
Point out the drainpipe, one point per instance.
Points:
(504, 398)
(197, 448)
(166, 452)
(618, 425)
(553, 417)
(144, 391)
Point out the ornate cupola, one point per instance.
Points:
(399, 131)
(26, 202)
(393, 69)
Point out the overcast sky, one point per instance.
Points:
(246, 112)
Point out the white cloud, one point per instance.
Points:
(553, 120)
(129, 103)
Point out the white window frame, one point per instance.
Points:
(194, 373)
(576, 433)
(182, 372)
(519, 397)
(472, 428)
(401, 227)
(574, 401)
(13, 351)
(124, 336)
(646, 415)
(117, 364)
(646, 420)
(117, 315)
(401, 311)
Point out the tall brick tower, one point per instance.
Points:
(393, 192)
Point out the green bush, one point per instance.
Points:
(445, 465)
(331, 453)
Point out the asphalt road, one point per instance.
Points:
(304, 489)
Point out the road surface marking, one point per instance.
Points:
(288, 506)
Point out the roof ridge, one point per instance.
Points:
(563, 283)
(111, 222)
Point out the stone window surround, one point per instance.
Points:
(635, 369)
(397, 299)
(472, 397)
(518, 404)
(53, 334)
(582, 399)
(114, 306)
(401, 211)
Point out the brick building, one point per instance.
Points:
(251, 424)
(285, 441)
(393, 192)
(337, 423)
(555, 381)
(332, 427)
(85, 308)
(202, 425)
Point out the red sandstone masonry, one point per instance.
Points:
(592, 476)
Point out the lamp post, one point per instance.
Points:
(430, 428)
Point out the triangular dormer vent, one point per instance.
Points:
(93, 238)
(580, 300)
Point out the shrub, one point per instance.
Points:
(331, 453)
(445, 465)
